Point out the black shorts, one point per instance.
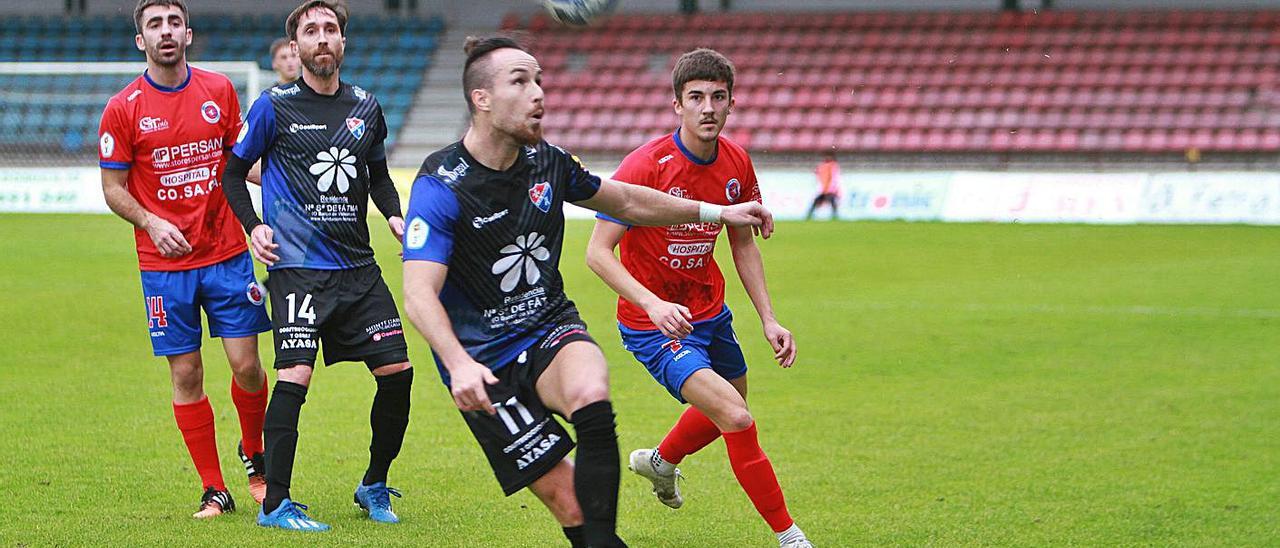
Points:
(523, 440)
(350, 311)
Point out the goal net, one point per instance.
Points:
(49, 111)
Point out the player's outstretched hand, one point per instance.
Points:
(670, 318)
(783, 343)
(467, 383)
(397, 227)
(168, 239)
(752, 214)
(260, 243)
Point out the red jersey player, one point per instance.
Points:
(162, 147)
(671, 308)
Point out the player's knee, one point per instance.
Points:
(297, 374)
(736, 420)
(588, 395)
(244, 366)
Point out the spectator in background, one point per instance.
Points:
(828, 186)
(284, 61)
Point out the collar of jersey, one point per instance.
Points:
(180, 87)
(690, 155)
(302, 84)
(515, 167)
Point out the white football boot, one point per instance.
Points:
(664, 485)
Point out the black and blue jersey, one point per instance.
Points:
(315, 151)
(500, 233)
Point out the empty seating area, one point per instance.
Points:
(42, 113)
(1066, 82)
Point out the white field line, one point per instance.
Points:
(1103, 310)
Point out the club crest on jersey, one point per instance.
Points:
(732, 190)
(254, 293)
(356, 127)
(210, 112)
(540, 195)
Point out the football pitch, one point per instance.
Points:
(956, 385)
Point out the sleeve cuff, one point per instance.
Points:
(113, 165)
(604, 217)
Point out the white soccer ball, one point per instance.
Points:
(579, 13)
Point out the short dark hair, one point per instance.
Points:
(338, 8)
(701, 64)
(476, 49)
(278, 43)
(144, 4)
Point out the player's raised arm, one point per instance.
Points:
(645, 206)
(671, 318)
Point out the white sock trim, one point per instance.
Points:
(792, 534)
(660, 465)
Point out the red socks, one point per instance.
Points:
(195, 420)
(755, 473)
(252, 407)
(692, 432)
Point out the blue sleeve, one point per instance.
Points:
(582, 184)
(258, 131)
(433, 210)
(603, 217)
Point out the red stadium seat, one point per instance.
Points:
(915, 81)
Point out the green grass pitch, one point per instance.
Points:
(956, 385)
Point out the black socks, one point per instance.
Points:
(576, 538)
(388, 417)
(597, 472)
(280, 437)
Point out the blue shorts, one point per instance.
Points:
(228, 292)
(712, 344)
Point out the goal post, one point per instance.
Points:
(49, 111)
(49, 116)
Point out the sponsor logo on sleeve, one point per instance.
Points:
(210, 112)
(106, 145)
(459, 171)
(416, 236)
(244, 132)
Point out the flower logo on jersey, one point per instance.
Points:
(522, 256)
(106, 145)
(254, 293)
(356, 127)
(540, 195)
(732, 190)
(334, 165)
(210, 112)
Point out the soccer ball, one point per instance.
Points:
(579, 13)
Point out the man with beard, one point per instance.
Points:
(161, 144)
(321, 145)
(483, 286)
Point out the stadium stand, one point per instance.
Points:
(44, 113)
(1062, 82)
